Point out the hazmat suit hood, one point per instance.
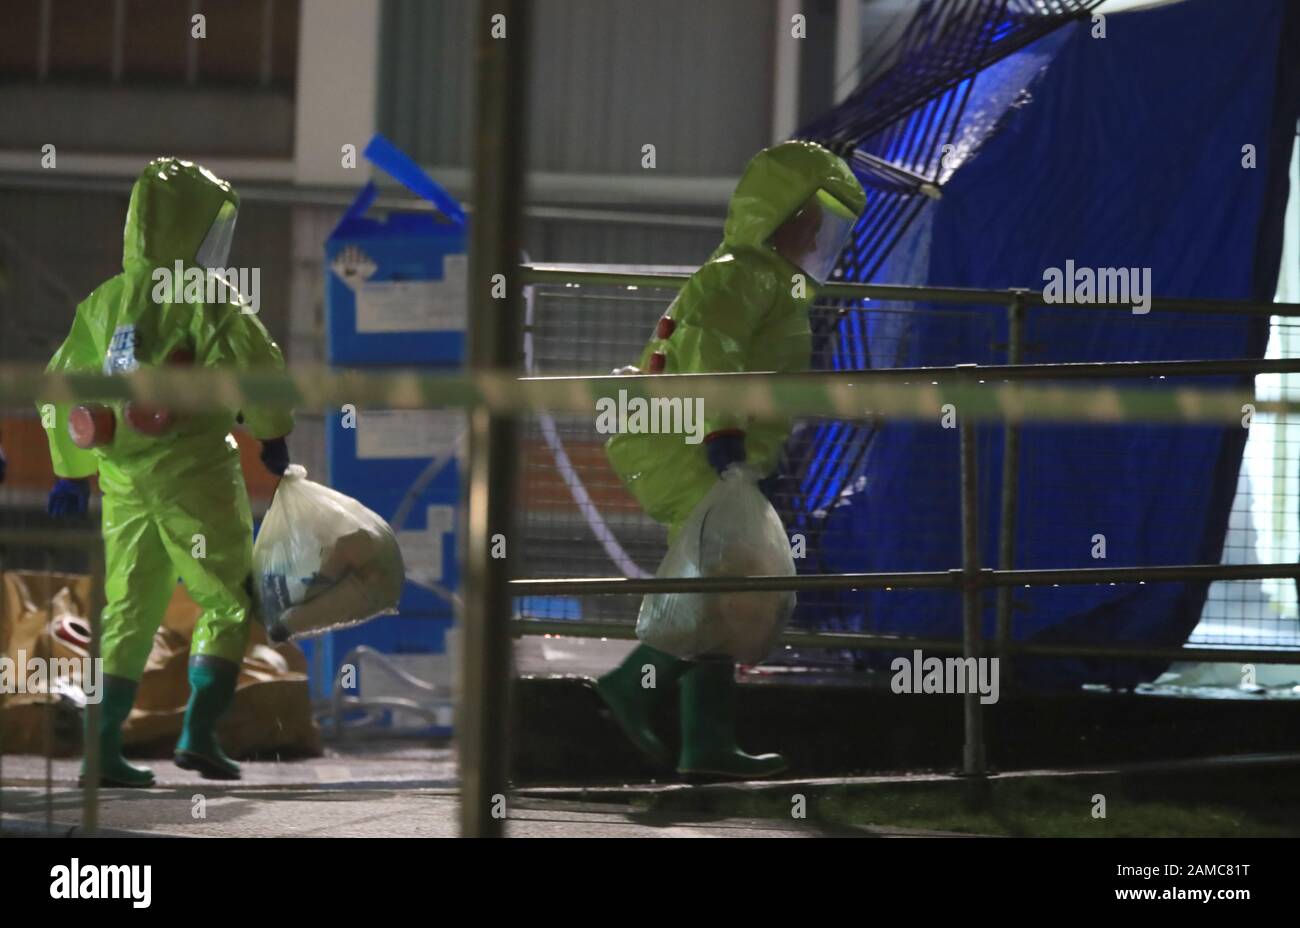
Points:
(777, 181)
(179, 211)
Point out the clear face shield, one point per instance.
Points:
(814, 235)
(215, 250)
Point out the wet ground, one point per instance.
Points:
(369, 789)
(396, 789)
(357, 813)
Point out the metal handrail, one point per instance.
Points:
(1060, 370)
(568, 274)
(1081, 576)
(867, 641)
(971, 581)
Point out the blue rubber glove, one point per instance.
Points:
(69, 497)
(724, 449)
(275, 456)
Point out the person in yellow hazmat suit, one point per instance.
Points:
(746, 309)
(174, 501)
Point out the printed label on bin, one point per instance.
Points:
(408, 433)
(422, 549)
(416, 305)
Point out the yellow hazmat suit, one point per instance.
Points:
(174, 502)
(745, 309)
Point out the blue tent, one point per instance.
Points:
(1162, 147)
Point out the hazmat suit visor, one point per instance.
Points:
(214, 252)
(814, 235)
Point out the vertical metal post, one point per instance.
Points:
(1010, 492)
(973, 747)
(117, 55)
(482, 720)
(43, 41)
(90, 748)
(268, 43)
(785, 73)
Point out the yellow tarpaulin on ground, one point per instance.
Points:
(43, 615)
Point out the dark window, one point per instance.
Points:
(247, 42)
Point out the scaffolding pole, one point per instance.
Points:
(483, 712)
(972, 763)
(1010, 493)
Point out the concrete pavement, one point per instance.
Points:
(382, 790)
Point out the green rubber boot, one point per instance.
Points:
(708, 728)
(119, 696)
(631, 700)
(212, 690)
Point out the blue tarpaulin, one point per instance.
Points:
(1130, 151)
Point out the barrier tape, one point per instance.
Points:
(759, 395)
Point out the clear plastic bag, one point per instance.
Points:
(323, 561)
(733, 531)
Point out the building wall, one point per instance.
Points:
(607, 77)
(130, 76)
